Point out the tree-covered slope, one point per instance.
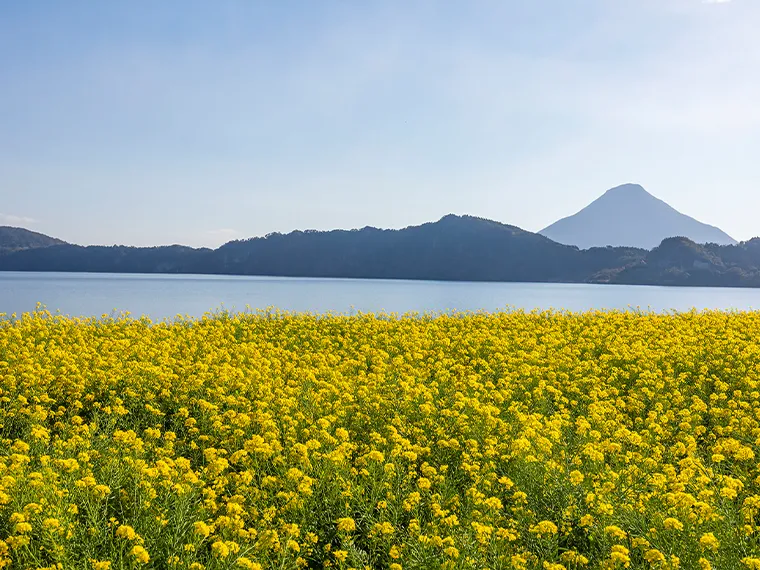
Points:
(17, 239)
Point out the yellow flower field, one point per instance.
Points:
(272, 441)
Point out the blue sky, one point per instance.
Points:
(150, 123)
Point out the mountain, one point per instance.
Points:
(680, 261)
(630, 216)
(108, 259)
(16, 239)
(458, 248)
(455, 248)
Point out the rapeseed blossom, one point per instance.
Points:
(273, 440)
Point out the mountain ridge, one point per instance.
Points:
(453, 248)
(13, 238)
(460, 248)
(628, 215)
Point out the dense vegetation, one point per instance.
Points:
(454, 248)
(268, 441)
(17, 239)
(679, 261)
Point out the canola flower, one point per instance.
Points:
(512, 440)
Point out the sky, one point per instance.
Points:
(149, 123)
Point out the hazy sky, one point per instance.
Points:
(145, 122)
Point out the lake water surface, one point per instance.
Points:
(165, 296)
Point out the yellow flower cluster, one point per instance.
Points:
(518, 440)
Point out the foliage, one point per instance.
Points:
(510, 440)
(457, 248)
(680, 261)
(17, 239)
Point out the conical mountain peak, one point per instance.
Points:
(628, 215)
(629, 189)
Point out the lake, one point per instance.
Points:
(166, 296)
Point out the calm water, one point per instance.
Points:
(162, 296)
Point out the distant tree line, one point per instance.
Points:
(455, 248)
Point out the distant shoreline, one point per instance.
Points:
(455, 248)
(164, 275)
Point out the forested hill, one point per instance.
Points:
(17, 239)
(680, 261)
(459, 248)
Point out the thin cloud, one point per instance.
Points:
(11, 220)
(716, 1)
(223, 233)
(217, 237)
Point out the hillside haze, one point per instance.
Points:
(630, 216)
